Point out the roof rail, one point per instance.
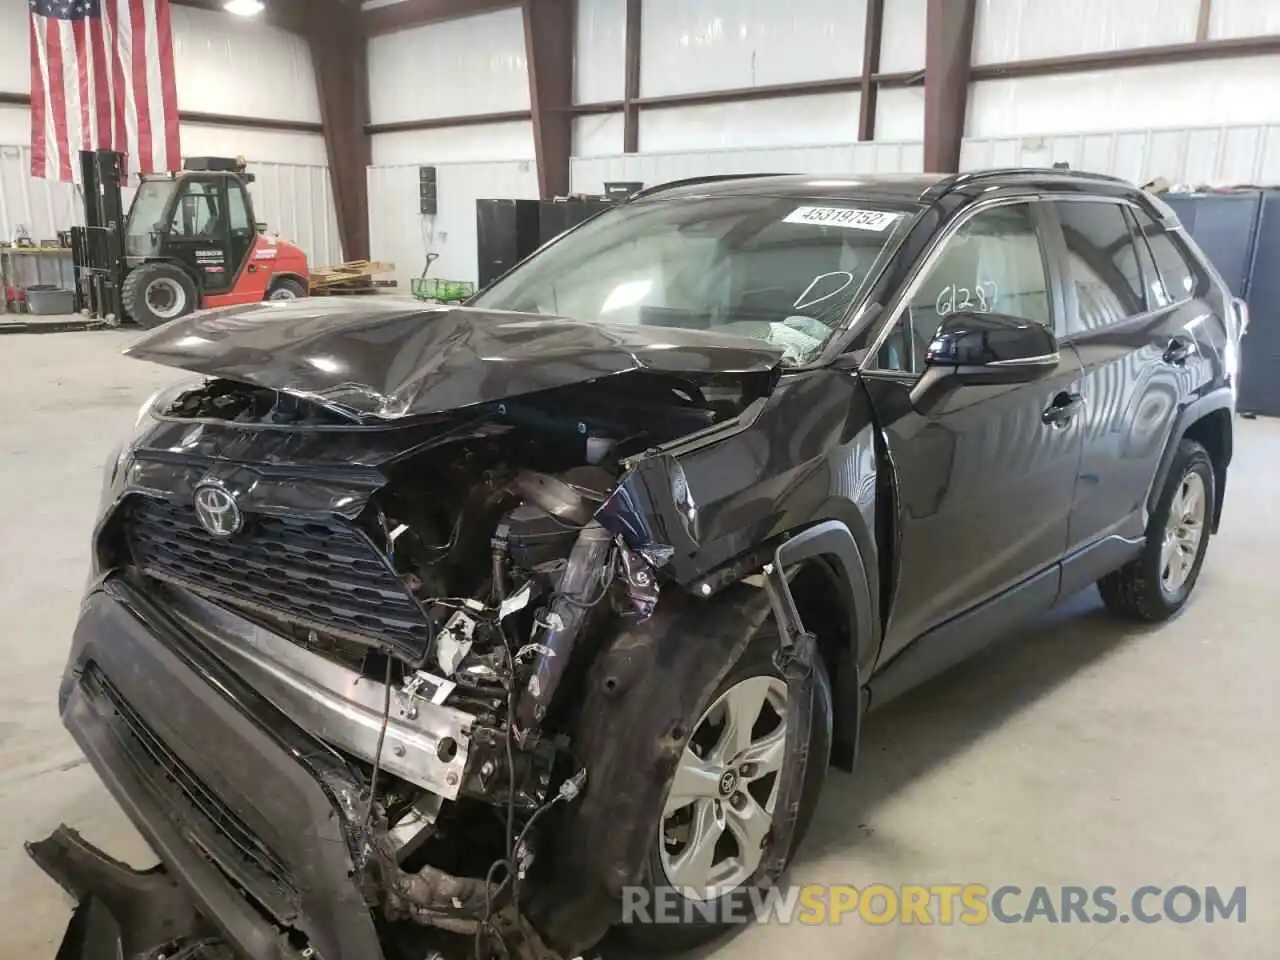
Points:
(694, 181)
(978, 176)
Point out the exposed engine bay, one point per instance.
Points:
(458, 724)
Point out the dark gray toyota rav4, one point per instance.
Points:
(416, 628)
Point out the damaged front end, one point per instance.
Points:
(344, 650)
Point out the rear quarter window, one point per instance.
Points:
(1181, 276)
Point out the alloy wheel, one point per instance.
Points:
(720, 807)
(1183, 532)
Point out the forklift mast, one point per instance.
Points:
(97, 248)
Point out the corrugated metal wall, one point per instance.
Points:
(1204, 155)
(590, 173)
(459, 67)
(399, 233)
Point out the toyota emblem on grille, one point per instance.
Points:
(217, 510)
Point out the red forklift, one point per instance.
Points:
(188, 241)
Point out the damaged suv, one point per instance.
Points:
(419, 630)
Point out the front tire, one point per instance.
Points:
(156, 293)
(714, 830)
(1157, 584)
(286, 288)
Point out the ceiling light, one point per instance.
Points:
(243, 8)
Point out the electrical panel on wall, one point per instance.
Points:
(427, 191)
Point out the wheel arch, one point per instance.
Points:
(832, 593)
(289, 275)
(1208, 421)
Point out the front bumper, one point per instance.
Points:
(254, 816)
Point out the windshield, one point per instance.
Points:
(780, 270)
(146, 218)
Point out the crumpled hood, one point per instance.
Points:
(391, 357)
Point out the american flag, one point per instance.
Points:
(102, 78)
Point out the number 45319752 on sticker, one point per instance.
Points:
(850, 218)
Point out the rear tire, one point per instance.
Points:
(155, 293)
(286, 288)
(1158, 582)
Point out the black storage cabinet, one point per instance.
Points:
(1240, 233)
(507, 231)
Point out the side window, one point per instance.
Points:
(1180, 277)
(196, 214)
(992, 264)
(1102, 263)
(238, 212)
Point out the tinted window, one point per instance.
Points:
(1102, 264)
(238, 212)
(196, 214)
(1179, 275)
(992, 264)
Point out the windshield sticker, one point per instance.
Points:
(877, 220)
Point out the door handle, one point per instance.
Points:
(1064, 408)
(1178, 350)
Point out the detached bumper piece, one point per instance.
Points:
(122, 912)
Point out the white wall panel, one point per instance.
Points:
(1218, 156)
(15, 124)
(15, 57)
(600, 61)
(232, 65)
(724, 44)
(588, 174)
(295, 201)
(820, 118)
(398, 233)
(900, 114)
(1026, 29)
(1243, 18)
(1177, 95)
(598, 134)
(256, 146)
(450, 69)
(483, 142)
(902, 36)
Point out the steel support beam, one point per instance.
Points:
(549, 27)
(333, 33)
(870, 67)
(414, 13)
(948, 52)
(630, 109)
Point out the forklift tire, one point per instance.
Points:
(156, 293)
(286, 289)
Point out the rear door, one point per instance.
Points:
(985, 481)
(1132, 323)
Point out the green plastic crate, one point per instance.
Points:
(443, 291)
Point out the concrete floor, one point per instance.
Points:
(1082, 752)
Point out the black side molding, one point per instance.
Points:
(832, 541)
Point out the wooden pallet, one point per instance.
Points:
(354, 276)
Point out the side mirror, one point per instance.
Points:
(977, 348)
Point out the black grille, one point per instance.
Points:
(235, 848)
(323, 575)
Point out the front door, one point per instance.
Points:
(198, 234)
(985, 481)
